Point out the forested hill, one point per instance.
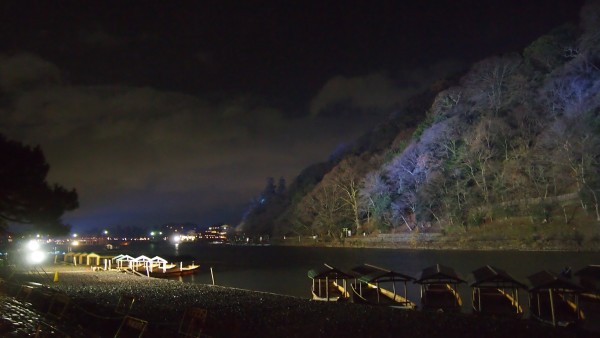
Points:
(512, 148)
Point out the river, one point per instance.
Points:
(283, 270)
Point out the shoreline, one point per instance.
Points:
(404, 246)
(434, 241)
(243, 313)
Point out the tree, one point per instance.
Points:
(25, 195)
(269, 190)
(375, 199)
(551, 50)
(487, 83)
(281, 187)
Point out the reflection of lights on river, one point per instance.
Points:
(176, 239)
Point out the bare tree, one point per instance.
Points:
(487, 82)
(375, 198)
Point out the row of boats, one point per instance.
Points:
(554, 298)
(154, 267)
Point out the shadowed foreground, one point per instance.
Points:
(242, 313)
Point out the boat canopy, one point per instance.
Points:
(590, 271)
(439, 274)
(126, 258)
(368, 273)
(546, 280)
(589, 277)
(123, 258)
(157, 259)
(492, 277)
(328, 272)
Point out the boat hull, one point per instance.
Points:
(369, 294)
(329, 291)
(441, 297)
(542, 309)
(175, 272)
(495, 302)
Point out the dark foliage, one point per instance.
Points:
(25, 196)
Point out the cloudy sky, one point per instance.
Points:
(172, 111)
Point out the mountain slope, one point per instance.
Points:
(512, 148)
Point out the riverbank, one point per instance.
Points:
(438, 241)
(242, 313)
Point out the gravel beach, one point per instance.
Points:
(234, 312)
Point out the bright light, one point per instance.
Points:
(74, 235)
(176, 239)
(75, 243)
(36, 257)
(106, 232)
(33, 245)
(152, 233)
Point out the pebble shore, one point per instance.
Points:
(242, 313)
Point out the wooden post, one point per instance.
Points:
(517, 298)
(552, 307)
(539, 306)
(577, 306)
(212, 276)
(327, 288)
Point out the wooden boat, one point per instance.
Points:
(496, 293)
(329, 284)
(368, 287)
(553, 299)
(589, 279)
(438, 289)
(589, 299)
(170, 270)
(175, 271)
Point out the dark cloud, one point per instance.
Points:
(25, 70)
(126, 148)
(378, 91)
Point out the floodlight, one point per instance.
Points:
(36, 257)
(33, 245)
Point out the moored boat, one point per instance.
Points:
(329, 284)
(175, 271)
(495, 292)
(368, 288)
(589, 299)
(589, 278)
(553, 299)
(439, 289)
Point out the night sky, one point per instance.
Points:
(170, 111)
